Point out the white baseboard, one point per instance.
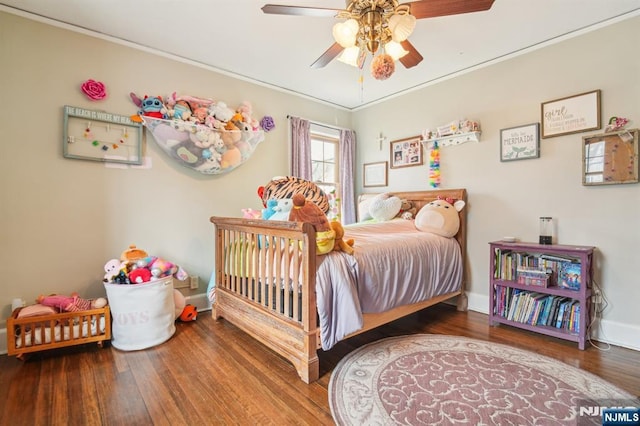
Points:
(611, 332)
(200, 301)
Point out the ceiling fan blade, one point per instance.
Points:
(434, 8)
(412, 58)
(328, 56)
(318, 12)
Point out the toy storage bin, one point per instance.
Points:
(143, 314)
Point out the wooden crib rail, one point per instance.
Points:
(265, 285)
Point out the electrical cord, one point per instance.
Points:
(598, 309)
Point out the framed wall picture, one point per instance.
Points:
(406, 152)
(101, 136)
(610, 158)
(520, 143)
(374, 174)
(573, 114)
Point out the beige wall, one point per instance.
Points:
(506, 199)
(60, 219)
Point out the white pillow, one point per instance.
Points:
(384, 207)
(363, 210)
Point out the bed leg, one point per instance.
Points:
(463, 302)
(309, 371)
(22, 357)
(214, 312)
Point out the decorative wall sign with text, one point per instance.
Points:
(101, 136)
(520, 143)
(573, 114)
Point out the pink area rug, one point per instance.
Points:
(442, 380)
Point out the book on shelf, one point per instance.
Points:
(569, 275)
(542, 320)
(558, 258)
(538, 309)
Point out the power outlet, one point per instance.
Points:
(597, 298)
(194, 282)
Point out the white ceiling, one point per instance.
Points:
(237, 37)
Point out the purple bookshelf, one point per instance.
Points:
(559, 305)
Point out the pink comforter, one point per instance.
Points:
(393, 264)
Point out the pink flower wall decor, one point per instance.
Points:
(94, 90)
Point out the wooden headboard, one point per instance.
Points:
(420, 198)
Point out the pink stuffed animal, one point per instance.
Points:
(251, 214)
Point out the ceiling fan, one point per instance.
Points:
(374, 24)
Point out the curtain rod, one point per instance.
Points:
(328, 126)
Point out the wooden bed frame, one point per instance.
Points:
(288, 325)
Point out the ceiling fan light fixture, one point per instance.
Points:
(401, 26)
(345, 33)
(395, 50)
(351, 56)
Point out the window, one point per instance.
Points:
(325, 163)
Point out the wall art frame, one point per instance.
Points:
(374, 174)
(406, 152)
(520, 143)
(610, 158)
(101, 136)
(572, 114)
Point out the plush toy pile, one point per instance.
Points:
(291, 198)
(205, 135)
(135, 266)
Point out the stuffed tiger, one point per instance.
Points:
(286, 186)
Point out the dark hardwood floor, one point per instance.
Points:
(212, 373)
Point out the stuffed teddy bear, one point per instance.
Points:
(71, 303)
(340, 244)
(440, 217)
(306, 211)
(407, 210)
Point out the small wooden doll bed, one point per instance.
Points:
(50, 331)
(249, 260)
